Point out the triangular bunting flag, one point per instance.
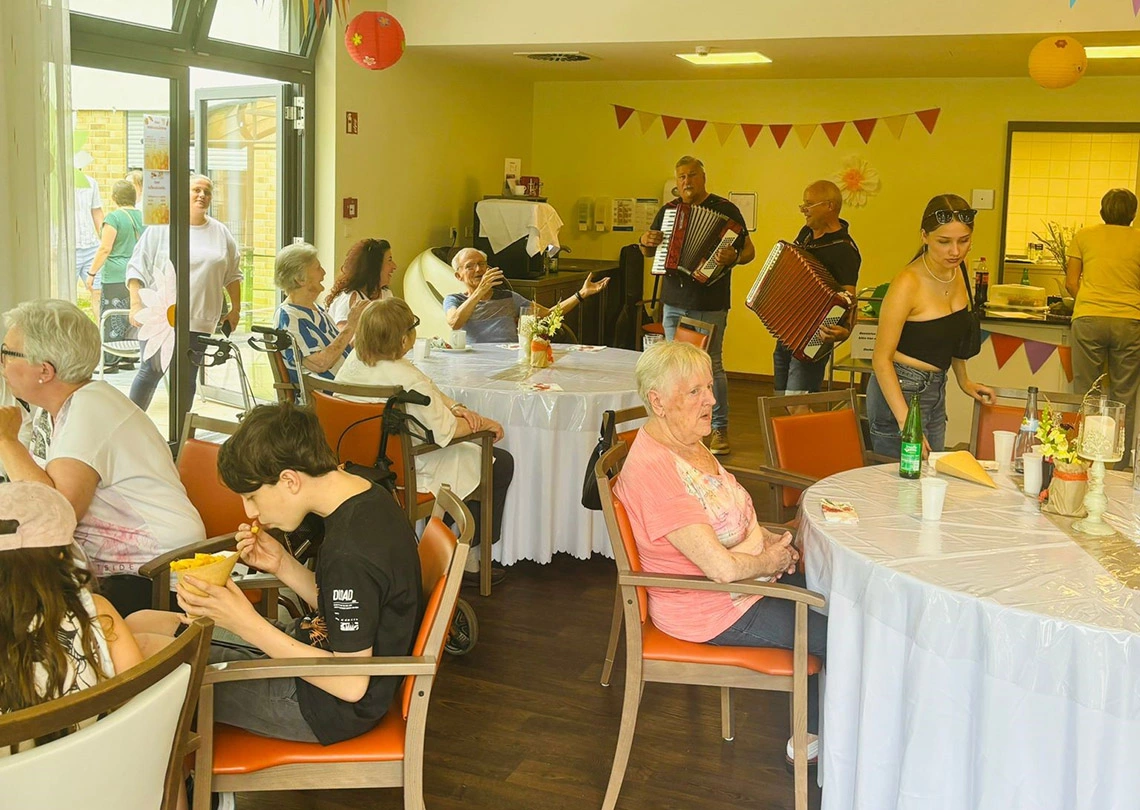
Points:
(895, 124)
(670, 122)
(1004, 347)
(695, 128)
(985, 336)
(928, 118)
(1065, 353)
(723, 131)
(623, 114)
(865, 126)
(804, 132)
(1037, 353)
(752, 131)
(779, 133)
(646, 119)
(833, 129)
(1072, 3)
(1135, 7)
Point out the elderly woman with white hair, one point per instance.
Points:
(90, 443)
(690, 516)
(322, 347)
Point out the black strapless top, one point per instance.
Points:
(935, 341)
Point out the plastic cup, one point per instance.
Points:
(1033, 466)
(459, 340)
(420, 350)
(933, 497)
(1003, 448)
(649, 339)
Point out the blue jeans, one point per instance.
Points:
(670, 317)
(150, 374)
(772, 623)
(931, 389)
(84, 258)
(794, 376)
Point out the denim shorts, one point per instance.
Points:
(931, 389)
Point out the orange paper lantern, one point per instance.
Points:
(375, 40)
(1057, 62)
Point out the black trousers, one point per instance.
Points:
(502, 473)
(127, 592)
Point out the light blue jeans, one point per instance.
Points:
(670, 317)
(931, 389)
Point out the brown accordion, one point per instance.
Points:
(693, 235)
(795, 296)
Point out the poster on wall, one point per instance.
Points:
(156, 170)
(746, 202)
(623, 213)
(156, 198)
(644, 212)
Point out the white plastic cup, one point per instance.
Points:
(420, 350)
(649, 339)
(933, 497)
(1032, 465)
(1003, 448)
(459, 340)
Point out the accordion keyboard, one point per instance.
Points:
(662, 254)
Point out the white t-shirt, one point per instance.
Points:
(140, 509)
(213, 265)
(340, 306)
(86, 201)
(458, 466)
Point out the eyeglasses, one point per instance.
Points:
(944, 216)
(474, 265)
(5, 353)
(808, 206)
(415, 324)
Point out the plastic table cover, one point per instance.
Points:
(984, 661)
(550, 434)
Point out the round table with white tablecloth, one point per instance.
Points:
(550, 433)
(988, 661)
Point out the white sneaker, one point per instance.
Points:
(812, 749)
(224, 801)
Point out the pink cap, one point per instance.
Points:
(34, 516)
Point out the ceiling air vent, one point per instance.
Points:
(557, 56)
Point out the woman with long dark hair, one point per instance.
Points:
(923, 325)
(364, 276)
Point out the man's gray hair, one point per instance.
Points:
(689, 160)
(291, 269)
(666, 362)
(456, 262)
(58, 332)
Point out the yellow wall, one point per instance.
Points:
(578, 151)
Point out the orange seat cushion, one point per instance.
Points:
(653, 328)
(237, 751)
(816, 444)
(659, 646)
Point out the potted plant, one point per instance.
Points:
(541, 352)
(1057, 241)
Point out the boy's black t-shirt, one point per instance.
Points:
(369, 596)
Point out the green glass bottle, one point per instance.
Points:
(910, 457)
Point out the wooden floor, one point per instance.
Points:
(522, 722)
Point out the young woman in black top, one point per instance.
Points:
(923, 323)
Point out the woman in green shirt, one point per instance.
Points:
(121, 230)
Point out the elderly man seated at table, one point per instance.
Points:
(490, 313)
(93, 445)
(385, 335)
(322, 347)
(690, 516)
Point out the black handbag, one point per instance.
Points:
(591, 498)
(972, 340)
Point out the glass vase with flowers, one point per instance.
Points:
(541, 352)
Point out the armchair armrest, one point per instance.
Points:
(690, 582)
(266, 668)
(773, 476)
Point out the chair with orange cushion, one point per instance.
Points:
(353, 431)
(995, 416)
(699, 333)
(653, 656)
(391, 754)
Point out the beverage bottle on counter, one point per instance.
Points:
(910, 457)
(1027, 434)
(981, 285)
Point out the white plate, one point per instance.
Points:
(452, 351)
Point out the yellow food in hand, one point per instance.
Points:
(198, 561)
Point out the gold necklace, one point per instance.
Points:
(945, 292)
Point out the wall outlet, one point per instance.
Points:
(454, 234)
(468, 232)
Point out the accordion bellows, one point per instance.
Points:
(795, 296)
(693, 235)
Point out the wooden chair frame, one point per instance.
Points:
(316, 387)
(191, 647)
(406, 773)
(1020, 395)
(639, 671)
(701, 328)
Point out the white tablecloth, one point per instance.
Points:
(985, 662)
(550, 434)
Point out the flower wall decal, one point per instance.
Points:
(858, 181)
(156, 318)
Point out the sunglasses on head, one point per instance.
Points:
(944, 216)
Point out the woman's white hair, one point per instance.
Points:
(291, 270)
(663, 364)
(58, 332)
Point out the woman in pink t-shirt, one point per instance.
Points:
(690, 516)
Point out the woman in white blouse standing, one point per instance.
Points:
(214, 267)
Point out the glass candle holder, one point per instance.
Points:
(1100, 440)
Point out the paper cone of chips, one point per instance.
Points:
(212, 568)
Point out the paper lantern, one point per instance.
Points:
(1057, 62)
(375, 40)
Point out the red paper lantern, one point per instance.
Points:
(1057, 62)
(375, 40)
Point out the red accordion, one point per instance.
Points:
(693, 235)
(795, 296)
